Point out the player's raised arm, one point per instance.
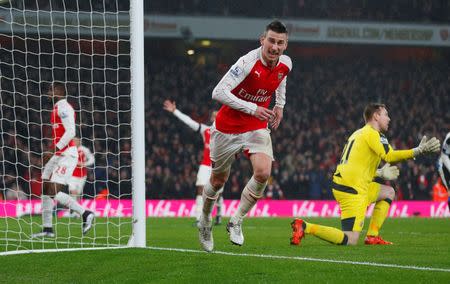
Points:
(194, 125)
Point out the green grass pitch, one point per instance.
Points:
(421, 253)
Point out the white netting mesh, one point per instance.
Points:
(84, 44)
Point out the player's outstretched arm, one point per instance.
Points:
(427, 146)
(169, 106)
(172, 107)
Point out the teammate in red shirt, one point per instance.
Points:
(204, 170)
(79, 175)
(241, 124)
(60, 163)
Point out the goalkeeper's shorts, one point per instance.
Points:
(354, 204)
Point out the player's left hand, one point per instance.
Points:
(388, 172)
(276, 119)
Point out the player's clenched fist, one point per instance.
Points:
(263, 113)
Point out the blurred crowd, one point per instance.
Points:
(351, 10)
(325, 100)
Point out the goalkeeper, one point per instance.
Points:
(355, 183)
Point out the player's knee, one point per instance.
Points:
(48, 188)
(218, 180)
(210, 192)
(261, 175)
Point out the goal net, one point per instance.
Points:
(85, 45)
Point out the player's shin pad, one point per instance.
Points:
(210, 196)
(252, 192)
(255, 188)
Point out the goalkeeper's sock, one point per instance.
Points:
(380, 212)
(47, 211)
(198, 206)
(326, 233)
(68, 202)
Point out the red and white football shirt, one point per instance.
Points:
(63, 126)
(248, 84)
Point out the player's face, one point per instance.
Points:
(55, 92)
(273, 45)
(51, 91)
(383, 119)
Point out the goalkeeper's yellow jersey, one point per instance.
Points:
(361, 156)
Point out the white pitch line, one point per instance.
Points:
(15, 252)
(269, 256)
(375, 264)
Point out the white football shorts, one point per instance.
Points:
(76, 185)
(203, 175)
(224, 147)
(59, 169)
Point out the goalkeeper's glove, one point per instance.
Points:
(427, 146)
(388, 172)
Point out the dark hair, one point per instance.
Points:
(277, 26)
(60, 86)
(371, 109)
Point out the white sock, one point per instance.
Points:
(47, 211)
(250, 195)
(219, 205)
(198, 206)
(209, 198)
(67, 201)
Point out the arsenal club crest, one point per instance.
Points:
(280, 76)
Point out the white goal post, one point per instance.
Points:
(137, 122)
(95, 49)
